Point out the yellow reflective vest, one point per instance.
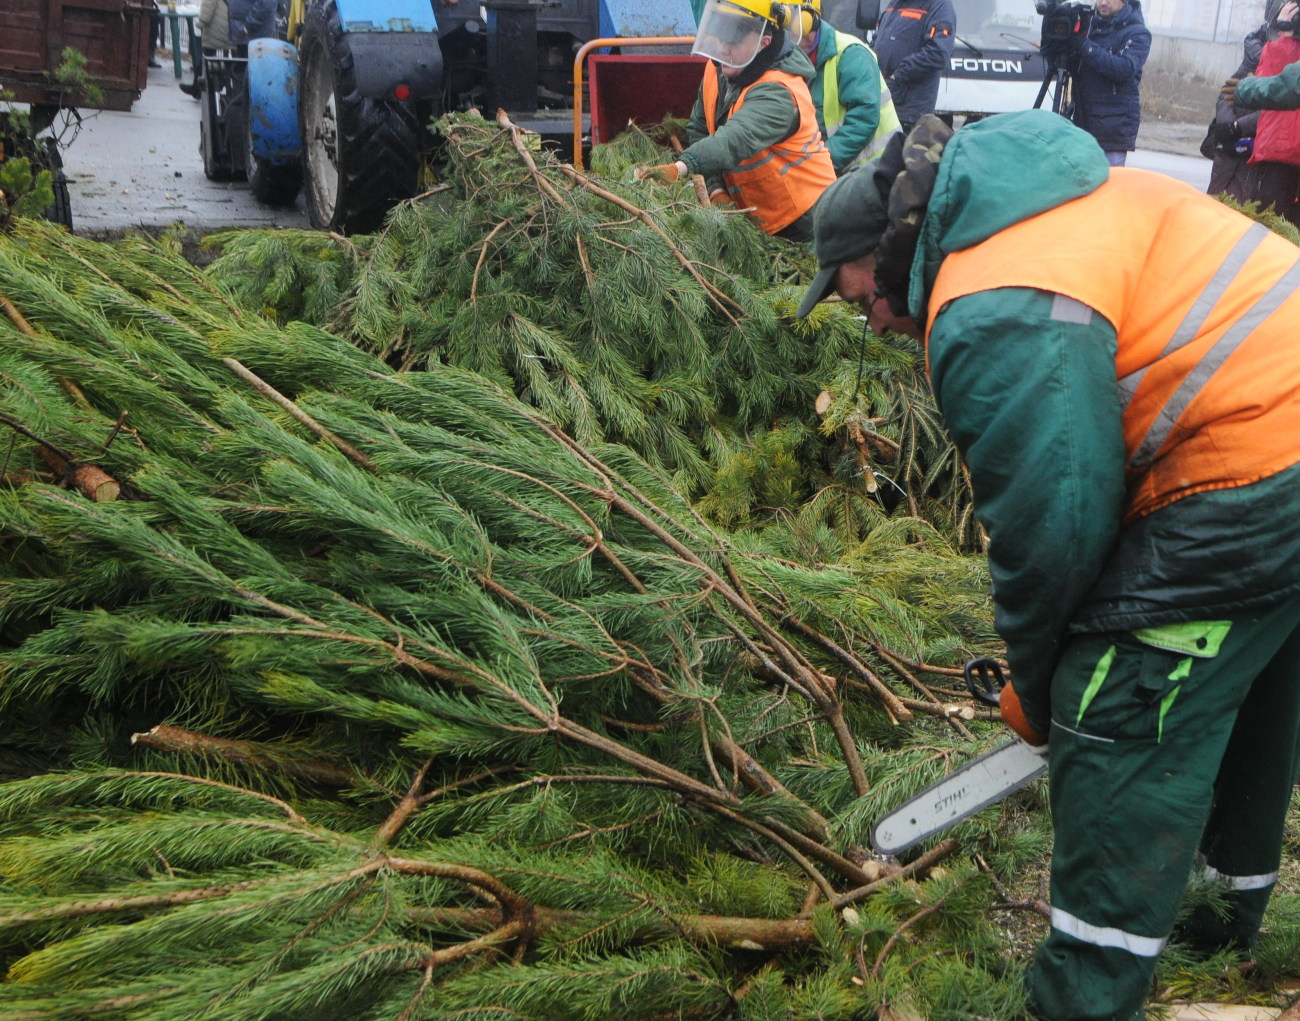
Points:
(833, 112)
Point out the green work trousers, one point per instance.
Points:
(1168, 746)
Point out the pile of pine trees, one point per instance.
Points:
(629, 312)
(344, 680)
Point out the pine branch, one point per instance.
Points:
(899, 665)
(719, 298)
(403, 810)
(516, 137)
(268, 391)
(922, 865)
(810, 680)
(895, 706)
(165, 738)
(771, 934)
(894, 937)
(16, 317)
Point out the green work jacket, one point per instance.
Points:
(769, 115)
(1280, 91)
(854, 108)
(1031, 400)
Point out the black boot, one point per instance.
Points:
(194, 88)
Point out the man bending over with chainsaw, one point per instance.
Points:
(1114, 354)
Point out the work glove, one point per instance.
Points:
(1013, 715)
(1229, 89)
(722, 198)
(664, 173)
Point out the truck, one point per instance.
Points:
(341, 100)
(111, 41)
(996, 64)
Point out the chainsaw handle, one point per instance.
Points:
(984, 679)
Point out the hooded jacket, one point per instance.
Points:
(1229, 171)
(1107, 104)
(1028, 389)
(214, 24)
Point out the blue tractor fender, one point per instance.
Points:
(394, 46)
(273, 100)
(621, 18)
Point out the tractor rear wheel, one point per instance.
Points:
(360, 156)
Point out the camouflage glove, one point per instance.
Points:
(664, 173)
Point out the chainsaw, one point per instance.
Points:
(977, 785)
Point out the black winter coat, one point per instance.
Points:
(1229, 170)
(1107, 104)
(251, 19)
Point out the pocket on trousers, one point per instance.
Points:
(1130, 702)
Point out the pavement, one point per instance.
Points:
(1172, 148)
(143, 170)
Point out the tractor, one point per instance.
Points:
(341, 101)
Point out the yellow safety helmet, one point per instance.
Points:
(732, 31)
(775, 13)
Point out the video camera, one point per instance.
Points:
(1063, 20)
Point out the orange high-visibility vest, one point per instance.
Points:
(783, 181)
(1205, 305)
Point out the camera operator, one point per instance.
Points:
(1108, 60)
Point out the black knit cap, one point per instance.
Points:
(848, 222)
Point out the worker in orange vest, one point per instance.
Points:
(1114, 354)
(753, 131)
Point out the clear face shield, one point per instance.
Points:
(729, 34)
(798, 23)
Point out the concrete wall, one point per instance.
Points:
(1193, 58)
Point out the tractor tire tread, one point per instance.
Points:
(379, 141)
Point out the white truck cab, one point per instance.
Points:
(995, 65)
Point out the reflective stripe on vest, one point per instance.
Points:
(1205, 309)
(833, 113)
(782, 182)
(1101, 936)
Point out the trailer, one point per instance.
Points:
(112, 36)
